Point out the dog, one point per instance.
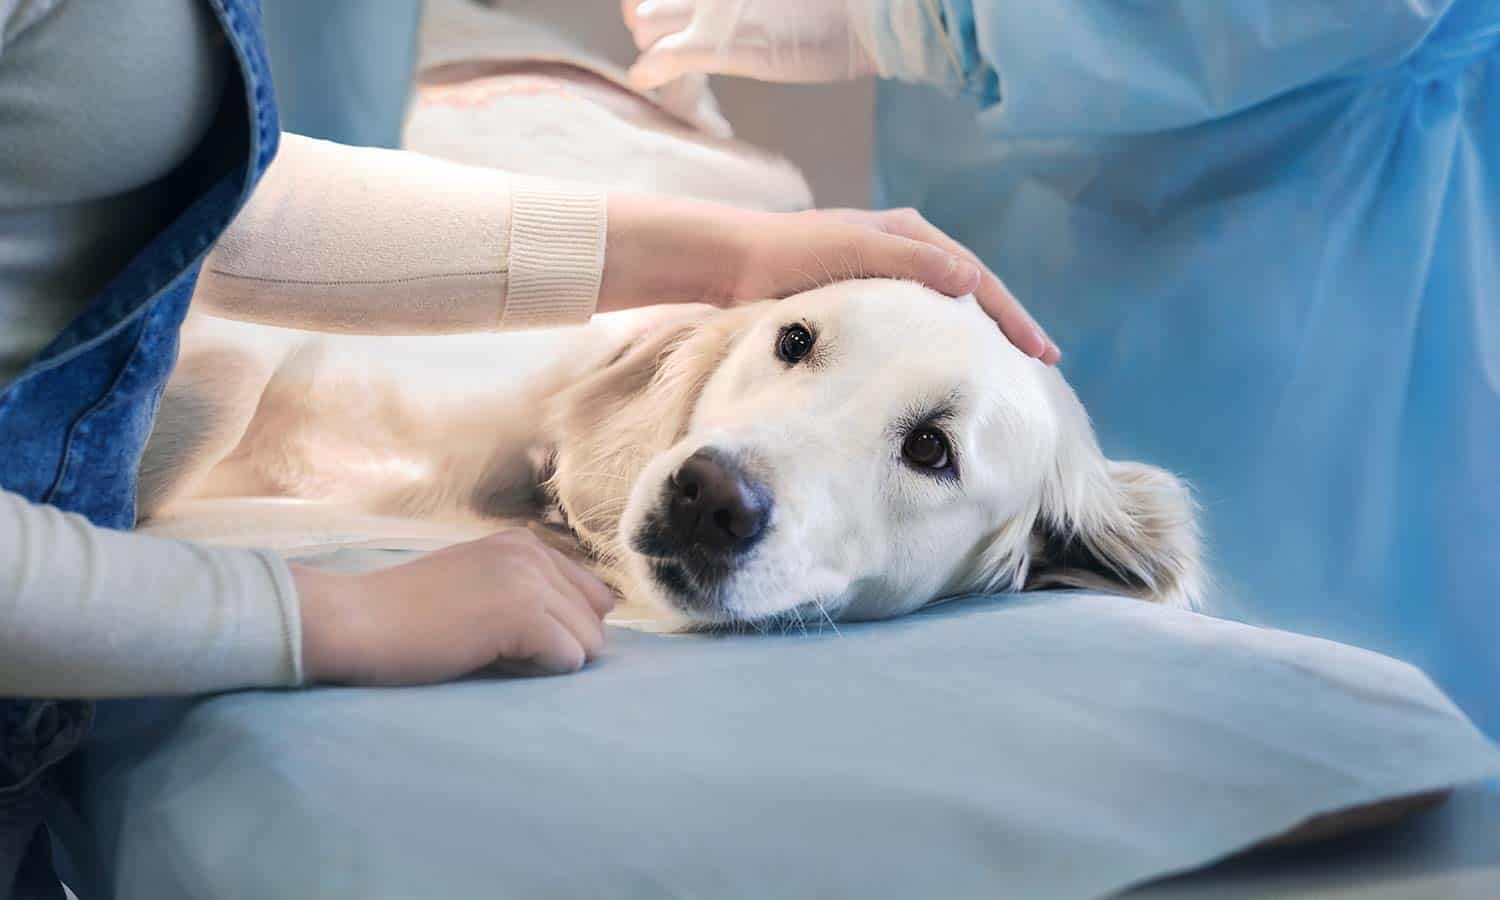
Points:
(853, 452)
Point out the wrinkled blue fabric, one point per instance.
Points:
(1049, 745)
(343, 68)
(1267, 237)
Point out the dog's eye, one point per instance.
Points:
(926, 448)
(794, 342)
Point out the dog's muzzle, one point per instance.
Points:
(711, 515)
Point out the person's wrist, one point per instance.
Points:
(330, 623)
(671, 250)
(733, 248)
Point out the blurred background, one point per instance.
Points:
(332, 64)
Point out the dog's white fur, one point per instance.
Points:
(444, 427)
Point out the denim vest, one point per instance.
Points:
(74, 424)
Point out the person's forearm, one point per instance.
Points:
(383, 242)
(89, 612)
(373, 241)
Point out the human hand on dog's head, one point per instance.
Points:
(667, 250)
(994, 298)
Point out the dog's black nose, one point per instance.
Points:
(715, 506)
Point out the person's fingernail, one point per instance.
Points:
(1040, 338)
(1056, 353)
(965, 275)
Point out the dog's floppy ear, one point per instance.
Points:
(606, 427)
(1132, 531)
(651, 384)
(1123, 527)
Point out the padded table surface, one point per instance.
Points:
(1448, 853)
(1040, 745)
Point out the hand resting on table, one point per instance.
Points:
(506, 603)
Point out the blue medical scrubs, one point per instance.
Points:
(1266, 235)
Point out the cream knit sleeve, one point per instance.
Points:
(374, 241)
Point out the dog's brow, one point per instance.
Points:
(935, 409)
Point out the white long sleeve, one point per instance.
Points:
(373, 241)
(89, 612)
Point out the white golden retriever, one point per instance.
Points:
(856, 451)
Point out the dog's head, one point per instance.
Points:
(858, 450)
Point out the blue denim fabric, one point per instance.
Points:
(34, 737)
(74, 424)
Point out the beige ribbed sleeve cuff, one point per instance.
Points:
(556, 253)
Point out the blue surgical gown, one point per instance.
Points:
(343, 68)
(1266, 234)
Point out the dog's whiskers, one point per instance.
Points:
(807, 277)
(604, 508)
(824, 610)
(848, 267)
(600, 512)
(824, 266)
(796, 612)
